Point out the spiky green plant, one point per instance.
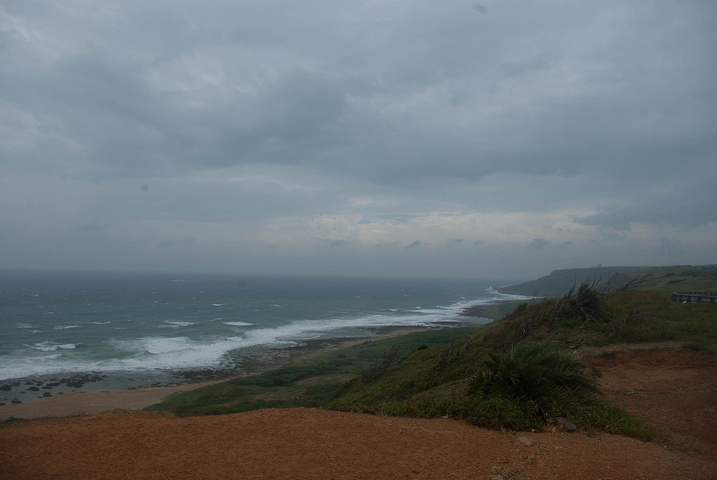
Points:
(553, 383)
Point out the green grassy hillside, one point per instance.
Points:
(685, 277)
(677, 278)
(441, 381)
(560, 281)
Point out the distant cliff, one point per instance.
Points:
(560, 281)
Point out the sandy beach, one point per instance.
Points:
(92, 401)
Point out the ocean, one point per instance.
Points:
(77, 331)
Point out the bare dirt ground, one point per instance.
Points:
(676, 390)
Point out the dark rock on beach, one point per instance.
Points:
(23, 389)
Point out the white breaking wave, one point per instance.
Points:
(175, 324)
(51, 347)
(150, 353)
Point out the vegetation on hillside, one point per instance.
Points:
(304, 382)
(678, 278)
(560, 281)
(684, 277)
(550, 383)
(516, 373)
(501, 375)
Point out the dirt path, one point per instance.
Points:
(317, 444)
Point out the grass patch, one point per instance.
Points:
(649, 316)
(307, 382)
(678, 278)
(611, 419)
(500, 412)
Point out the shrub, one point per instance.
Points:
(552, 383)
(582, 306)
(612, 419)
(500, 412)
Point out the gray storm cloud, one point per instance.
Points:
(246, 137)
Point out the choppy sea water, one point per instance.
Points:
(73, 331)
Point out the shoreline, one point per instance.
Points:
(88, 402)
(494, 310)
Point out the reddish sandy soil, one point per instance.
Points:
(674, 389)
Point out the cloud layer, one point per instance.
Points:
(499, 139)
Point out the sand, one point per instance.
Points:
(92, 401)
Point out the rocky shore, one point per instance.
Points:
(79, 393)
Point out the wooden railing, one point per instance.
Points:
(694, 297)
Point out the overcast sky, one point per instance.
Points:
(492, 139)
